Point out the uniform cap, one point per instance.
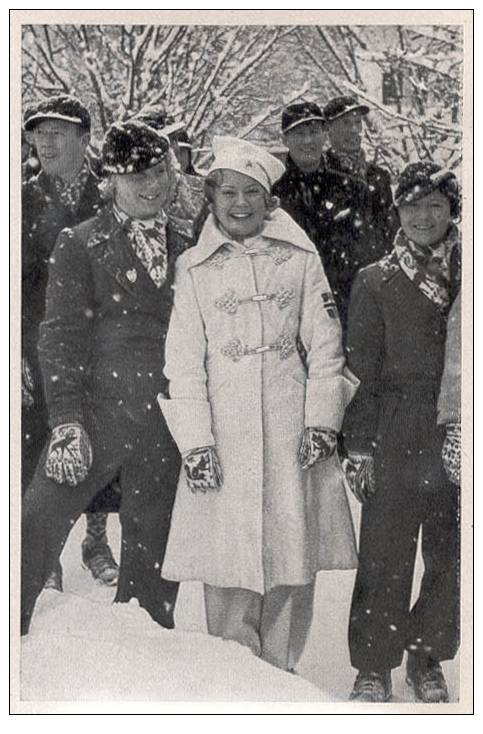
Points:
(340, 106)
(297, 114)
(61, 107)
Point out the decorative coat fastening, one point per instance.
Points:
(278, 253)
(235, 349)
(230, 302)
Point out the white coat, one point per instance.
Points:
(237, 381)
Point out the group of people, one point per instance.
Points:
(217, 358)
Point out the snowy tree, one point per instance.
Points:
(197, 72)
(237, 79)
(410, 75)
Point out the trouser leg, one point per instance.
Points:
(96, 526)
(35, 431)
(285, 624)
(148, 485)
(434, 620)
(382, 592)
(49, 512)
(234, 614)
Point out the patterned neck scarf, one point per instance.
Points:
(428, 268)
(70, 193)
(355, 163)
(148, 240)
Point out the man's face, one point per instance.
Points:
(143, 195)
(60, 145)
(426, 221)
(345, 133)
(305, 143)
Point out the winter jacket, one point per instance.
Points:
(44, 215)
(395, 346)
(254, 355)
(350, 220)
(103, 335)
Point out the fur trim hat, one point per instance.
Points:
(240, 155)
(297, 114)
(64, 107)
(422, 178)
(340, 106)
(132, 147)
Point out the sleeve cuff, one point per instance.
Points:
(59, 418)
(327, 399)
(189, 422)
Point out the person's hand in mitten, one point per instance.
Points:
(69, 456)
(203, 470)
(359, 471)
(318, 444)
(452, 452)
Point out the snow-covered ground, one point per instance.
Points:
(83, 648)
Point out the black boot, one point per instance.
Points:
(96, 553)
(372, 687)
(425, 677)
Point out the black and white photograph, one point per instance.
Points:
(241, 472)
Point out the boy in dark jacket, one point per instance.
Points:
(63, 194)
(395, 346)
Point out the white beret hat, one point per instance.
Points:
(244, 157)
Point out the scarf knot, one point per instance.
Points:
(148, 241)
(429, 269)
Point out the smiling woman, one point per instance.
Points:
(261, 494)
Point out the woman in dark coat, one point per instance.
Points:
(101, 352)
(396, 341)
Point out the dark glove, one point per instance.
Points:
(203, 470)
(27, 385)
(318, 444)
(69, 457)
(359, 471)
(452, 452)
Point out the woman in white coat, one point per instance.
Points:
(257, 394)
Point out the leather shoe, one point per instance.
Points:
(372, 687)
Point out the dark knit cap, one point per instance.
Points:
(62, 107)
(297, 114)
(422, 178)
(342, 106)
(132, 147)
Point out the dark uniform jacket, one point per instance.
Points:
(395, 346)
(102, 339)
(351, 220)
(44, 215)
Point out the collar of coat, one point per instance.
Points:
(335, 165)
(105, 227)
(47, 183)
(280, 228)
